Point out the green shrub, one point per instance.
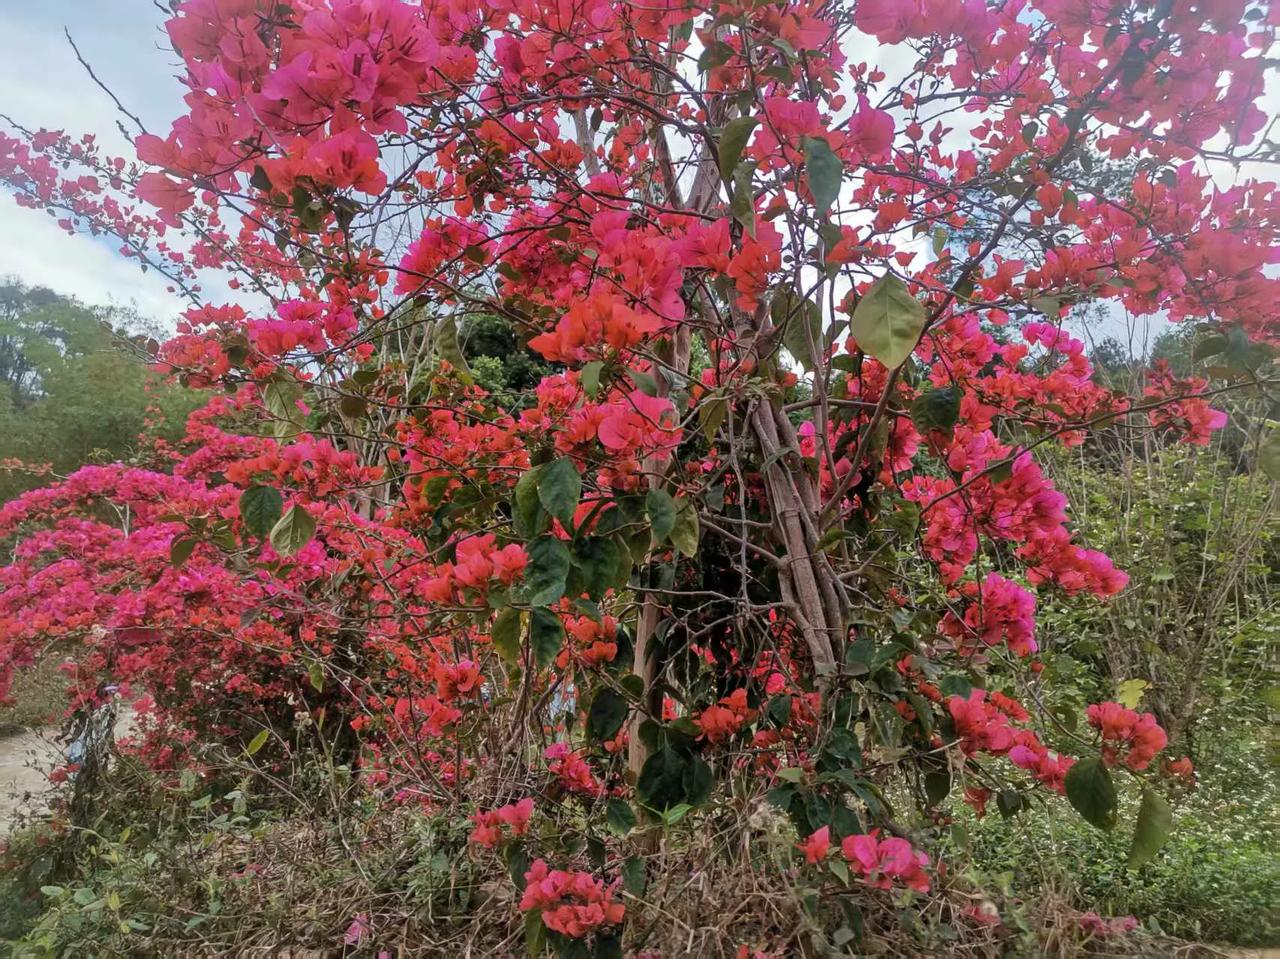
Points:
(1217, 879)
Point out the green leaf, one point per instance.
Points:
(1092, 793)
(936, 786)
(620, 817)
(257, 742)
(825, 172)
(526, 506)
(603, 564)
(1211, 345)
(1269, 455)
(260, 509)
(446, 343)
(661, 782)
(546, 636)
(887, 321)
(801, 324)
(610, 947)
(1009, 802)
(535, 934)
(180, 550)
(698, 781)
(673, 815)
(1155, 822)
(548, 567)
(684, 532)
(645, 383)
(560, 489)
(590, 377)
(607, 714)
(633, 877)
(293, 531)
(506, 634)
(315, 674)
(662, 513)
(743, 203)
(711, 414)
(280, 397)
(937, 409)
(733, 140)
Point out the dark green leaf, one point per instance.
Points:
(560, 489)
(937, 409)
(602, 563)
(1009, 801)
(607, 714)
(620, 816)
(711, 414)
(280, 397)
(260, 509)
(546, 635)
(590, 377)
(733, 140)
(1092, 793)
(645, 383)
(180, 550)
(698, 781)
(801, 324)
(1211, 345)
(825, 172)
(662, 513)
(936, 786)
(526, 507)
(743, 203)
(684, 532)
(506, 634)
(779, 711)
(633, 878)
(661, 781)
(547, 570)
(535, 934)
(446, 343)
(610, 947)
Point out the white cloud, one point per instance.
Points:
(44, 86)
(38, 252)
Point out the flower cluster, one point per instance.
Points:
(881, 863)
(491, 826)
(1126, 736)
(721, 720)
(573, 904)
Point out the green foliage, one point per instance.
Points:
(1217, 878)
(498, 361)
(72, 391)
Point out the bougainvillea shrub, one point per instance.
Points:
(805, 276)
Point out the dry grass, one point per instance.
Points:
(37, 698)
(295, 889)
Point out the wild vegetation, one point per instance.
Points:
(649, 492)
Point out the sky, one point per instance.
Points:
(42, 85)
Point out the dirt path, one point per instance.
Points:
(25, 760)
